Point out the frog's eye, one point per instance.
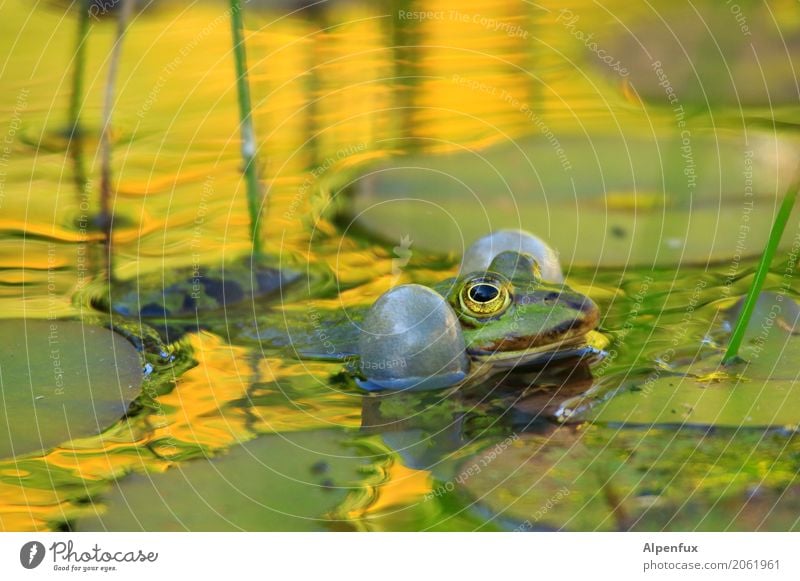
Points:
(485, 297)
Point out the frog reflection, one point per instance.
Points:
(426, 429)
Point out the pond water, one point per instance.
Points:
(652, 157)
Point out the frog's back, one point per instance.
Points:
(310, 333)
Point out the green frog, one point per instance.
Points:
(478, 324)
(502, 314)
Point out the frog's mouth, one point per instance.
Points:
(576, 347)
(568, 338)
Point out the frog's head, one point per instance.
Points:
(508, 314)
(415, 337)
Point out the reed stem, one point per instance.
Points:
(74, 130)
(254, 198)
(126, 9)
(732, 353)
(78, 72)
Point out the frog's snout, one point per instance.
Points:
(589, 311)
(584, 317)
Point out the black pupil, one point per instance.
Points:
(483, 293)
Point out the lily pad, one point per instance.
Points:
(624, 200)
(62, 380)
(696, 389)
(543, 482)
(677, 399)
(256, 486)
(597, 478)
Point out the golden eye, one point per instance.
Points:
(485, 297)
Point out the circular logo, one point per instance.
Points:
(31, 554)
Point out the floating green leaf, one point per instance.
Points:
(282, 482)
(61, 380)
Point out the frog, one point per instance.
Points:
(497, 315)
(477, 324)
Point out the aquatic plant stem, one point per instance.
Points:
(78, 71)
(246, 126)
(732, 353)
(74, 130)
(105, 218)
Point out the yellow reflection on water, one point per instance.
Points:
(26, 509)
(329, 93)
(197, 411)
(401, 487)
